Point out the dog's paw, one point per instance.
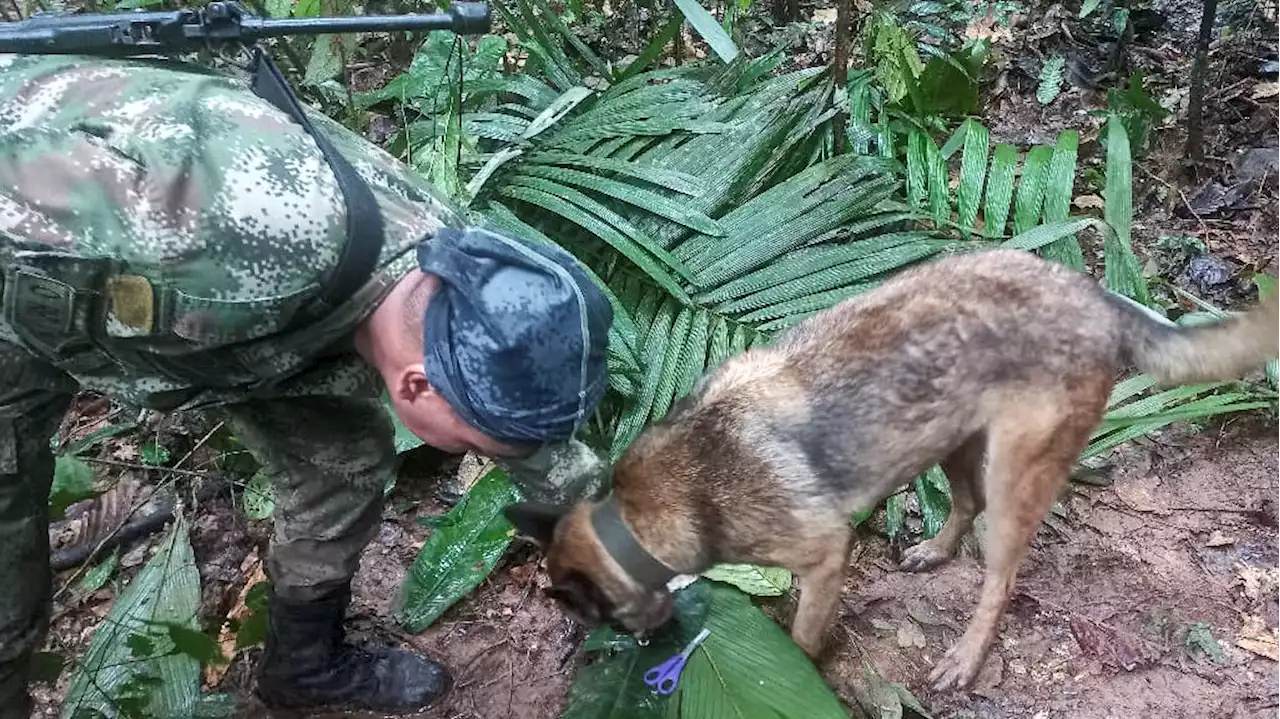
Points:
(958, 667)
(925, 556)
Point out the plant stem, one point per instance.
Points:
(1195, 97)
(840, 70)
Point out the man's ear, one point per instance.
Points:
(535, 520)
(412, 384)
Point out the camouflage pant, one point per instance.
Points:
(330, 458)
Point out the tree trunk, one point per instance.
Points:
(840, 69)
(1195, 97)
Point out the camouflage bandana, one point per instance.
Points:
(516, 336)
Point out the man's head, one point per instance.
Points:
(498, 344)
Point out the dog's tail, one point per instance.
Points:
(1218, 351)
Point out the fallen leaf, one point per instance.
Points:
(1089, 202)
(1255, 637)
(925, 614)
(1268, 650)
(826, 16)
(1218, 539)
(1266, 89)
(884, 626)
(909, 635)
(987, 27)
(1142, 495)
(214, 671)
(1104, 643)
(1252, 579)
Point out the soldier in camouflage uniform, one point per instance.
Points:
(164, 233)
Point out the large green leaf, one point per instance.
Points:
(1122, 272)
(752, 578)
(132, 659)
(706, 25)
(613, 686)
(461, 553)
(748, 667)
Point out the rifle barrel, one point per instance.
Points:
(463, 21)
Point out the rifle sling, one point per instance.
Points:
(364, 218)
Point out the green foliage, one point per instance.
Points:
(132, 669)
(72, 482)
(705, 24)
(1123, 274)
(253, 629)
(1199, 640)
(1051, 79)
(1136, 110)
(154, 454)
(747, 667)
(259, 497)
(98, 577)
(460, 554)
(96, 437)
(752, 579)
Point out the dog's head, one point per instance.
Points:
(585, 581)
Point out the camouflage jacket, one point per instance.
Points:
(160, 224)
(202, 215)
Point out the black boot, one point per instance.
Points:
(306, 663)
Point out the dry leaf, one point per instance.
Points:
(1254, 636)
(1144, 495)
(987, 27)
(1266, 89)
(1252, 579)
(1218, 539)
(227, 638)
(883, 626)
(1103, 642)
(909, 635)
(826, 16)
(1089, 202)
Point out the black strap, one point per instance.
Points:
(364, 219)
(622, 545)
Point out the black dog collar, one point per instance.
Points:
(622, 545)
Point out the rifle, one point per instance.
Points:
(124, 34)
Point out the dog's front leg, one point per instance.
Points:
(821, 584)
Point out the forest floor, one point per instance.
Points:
(1153, 592)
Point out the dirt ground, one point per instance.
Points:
(1120, 584)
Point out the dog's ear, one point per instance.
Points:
(535, 520)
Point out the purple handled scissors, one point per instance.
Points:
(663, 677)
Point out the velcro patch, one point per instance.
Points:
(132, 303)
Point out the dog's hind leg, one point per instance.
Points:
(821, 584)
(1032, 445)
(963, 468)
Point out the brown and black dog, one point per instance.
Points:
(994, 355)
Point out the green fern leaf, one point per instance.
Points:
(574, 212)
(630, 194)
(1059, 185)
(999, 190)
(1030, 195)
(973, 171)
(1050, 79)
